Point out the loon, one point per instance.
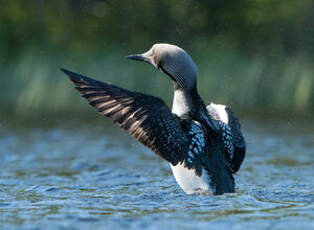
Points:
(203, 144)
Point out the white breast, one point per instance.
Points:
(181, 102)
(189, 181)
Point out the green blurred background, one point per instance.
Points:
(256, 56)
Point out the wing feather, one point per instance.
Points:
(145, 117)
(237, 140)
(236, 154)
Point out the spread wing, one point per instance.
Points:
(237, 140)
(145, 117)
(232, 133)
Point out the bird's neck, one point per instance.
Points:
(186, 102)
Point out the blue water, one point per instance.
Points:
(94, 176)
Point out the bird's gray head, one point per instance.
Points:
(173, 61)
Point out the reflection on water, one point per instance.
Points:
(96, 176)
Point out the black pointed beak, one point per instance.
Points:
(139, 57)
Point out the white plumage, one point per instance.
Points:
(189, 181)
(221, 111)
(187, 178)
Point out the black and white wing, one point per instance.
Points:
(232, 134)
(237, 140)
(145, 117)
(197, 145)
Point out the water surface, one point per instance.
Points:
(94, 176)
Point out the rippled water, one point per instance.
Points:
(83, 176)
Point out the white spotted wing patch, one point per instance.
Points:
(197, 142)
(219, 113)
(190, 175)
(227, 139)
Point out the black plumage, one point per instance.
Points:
(145, 117)
(203, 149)
(237, 141)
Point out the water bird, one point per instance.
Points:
(203, 144)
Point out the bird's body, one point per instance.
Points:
(203, 145)
(188, 180)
